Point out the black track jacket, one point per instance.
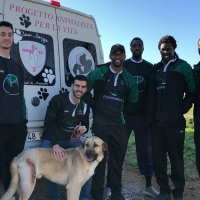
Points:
(171, 94)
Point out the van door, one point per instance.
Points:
(36, 49)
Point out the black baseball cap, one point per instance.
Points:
(117, 46)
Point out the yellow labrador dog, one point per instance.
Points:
(73, 170)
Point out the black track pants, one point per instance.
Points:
(168, 140)
(12, 140)
(115, 137)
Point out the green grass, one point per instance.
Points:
(189, 150)
(131, 151)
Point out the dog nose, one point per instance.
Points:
(88, 153)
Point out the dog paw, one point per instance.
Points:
(43, 94)
(25, 21)
(62, 90)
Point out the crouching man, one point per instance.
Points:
(66, 112)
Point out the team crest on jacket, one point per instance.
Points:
(33, 56)
(140, 82)
(80, 112)
(11, 85)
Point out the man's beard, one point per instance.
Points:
(116, 65)
(74, 93)
(199, 50)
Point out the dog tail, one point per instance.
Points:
(14, 181)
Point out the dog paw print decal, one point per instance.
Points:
(25, 21)
(62, 90)
(43, 94)
(48, 75)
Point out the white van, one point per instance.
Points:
(53, 44)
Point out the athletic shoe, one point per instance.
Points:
(150, 191)
(106, 193)
(162, 196)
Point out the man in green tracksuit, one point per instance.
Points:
(171, 93)
(135, 117)
(113, 87)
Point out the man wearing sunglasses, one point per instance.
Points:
(113, 87)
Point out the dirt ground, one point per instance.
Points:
(133, 185)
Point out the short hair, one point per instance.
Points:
(171, 40)
(6, 24)
(80, 78)
(136, 38)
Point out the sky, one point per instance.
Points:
(119, 21)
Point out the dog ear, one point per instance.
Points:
(105, 146)
(83, 145)
(105, 150)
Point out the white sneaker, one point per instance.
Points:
(150, 191)
(106, 193)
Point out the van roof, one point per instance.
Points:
(63, 8)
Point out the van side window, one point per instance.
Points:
(79, 58)
(35, 52)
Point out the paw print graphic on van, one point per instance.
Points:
(25, 21)
(43, 94)
(62, 90)
(48, 75)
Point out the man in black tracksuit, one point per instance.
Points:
(113, 86)
(65, 112)
(197, 112)
(171, 93)
(135, 117)
(13, 129)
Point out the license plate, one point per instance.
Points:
(34, 136)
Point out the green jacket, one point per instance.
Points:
(97, 80)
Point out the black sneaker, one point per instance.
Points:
(162, 196)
